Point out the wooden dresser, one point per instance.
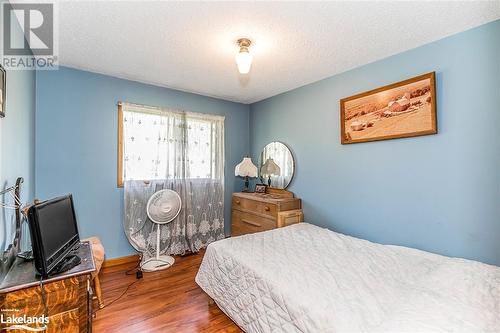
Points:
(254, 212)
(67, 296)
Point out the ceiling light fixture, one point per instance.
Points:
(244, 58)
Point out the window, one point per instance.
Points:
(156, 143)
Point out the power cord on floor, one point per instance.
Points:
(133, 270)
(116, 299)
(137, 270)
(138, 273)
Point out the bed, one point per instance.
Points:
(304, 278)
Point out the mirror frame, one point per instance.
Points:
(293, 162)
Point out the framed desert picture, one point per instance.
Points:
(399, 110)
(3, 81)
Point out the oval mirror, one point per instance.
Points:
(276, 165)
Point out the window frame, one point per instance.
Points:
(119, 180)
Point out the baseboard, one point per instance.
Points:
(134, 258)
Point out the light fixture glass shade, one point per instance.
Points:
(244, 61)
(270, 168)
(246, 168)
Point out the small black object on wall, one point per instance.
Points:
(3, 90)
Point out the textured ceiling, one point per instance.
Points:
(190, 46)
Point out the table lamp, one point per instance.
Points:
(246, 169)
(270, 168)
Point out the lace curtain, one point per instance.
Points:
(182, 151)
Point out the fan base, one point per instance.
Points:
(157, 264)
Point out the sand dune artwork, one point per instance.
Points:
(403, 109)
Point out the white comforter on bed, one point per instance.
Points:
(305, 278)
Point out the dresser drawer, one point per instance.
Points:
(290, 217)
(245, 204)
(245, 223)
(254, 206)
(267, 209)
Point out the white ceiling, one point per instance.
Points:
(190, 46)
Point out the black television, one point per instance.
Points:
(54, 233)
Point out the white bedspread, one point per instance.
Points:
(305, 278)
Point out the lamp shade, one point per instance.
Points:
(270, 168)
(246, 168)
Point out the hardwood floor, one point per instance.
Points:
(164, 301)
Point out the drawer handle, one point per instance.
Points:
(237, 202)
(255, 224)
(266, 208)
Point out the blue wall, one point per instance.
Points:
(77, 140)
(438, 193)
(17, 143)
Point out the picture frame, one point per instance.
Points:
(3, 85)
(399, 110)
(260, 188)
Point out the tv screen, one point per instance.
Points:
(54, 232)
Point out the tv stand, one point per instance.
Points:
(67, 295)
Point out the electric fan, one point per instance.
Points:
(162, 208)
